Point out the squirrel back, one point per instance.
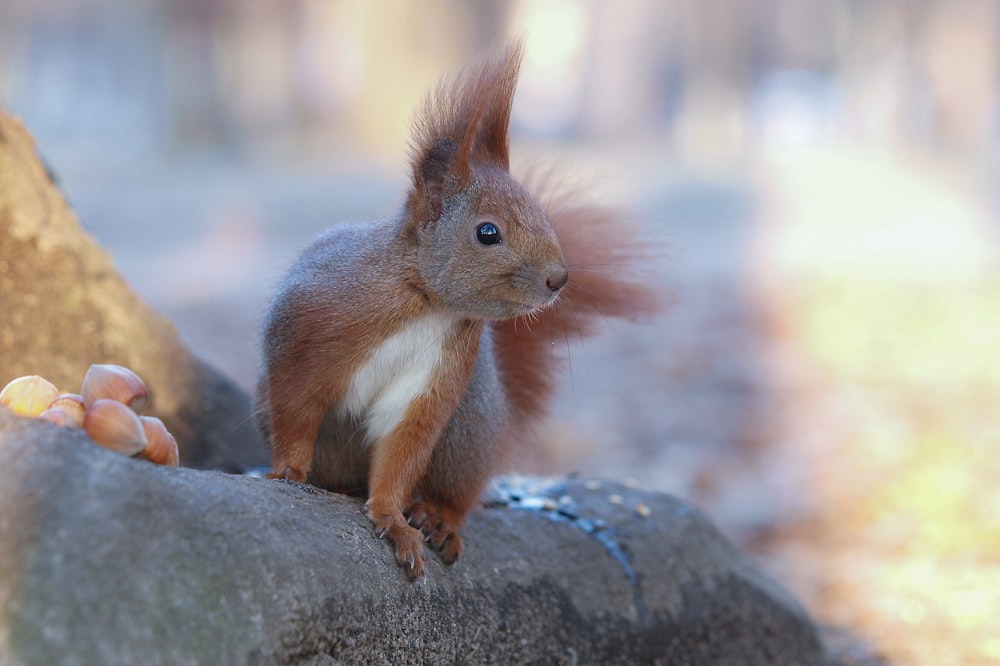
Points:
(380, 374)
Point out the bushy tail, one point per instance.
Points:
(612, 275)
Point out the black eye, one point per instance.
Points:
(488, 234)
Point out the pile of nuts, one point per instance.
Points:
(108, 408)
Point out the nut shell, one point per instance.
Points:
(161, 447)
(28, 396)
(106, 380)
(72, 405)
(58, 416)
(114, 426)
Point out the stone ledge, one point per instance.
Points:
(109, 560)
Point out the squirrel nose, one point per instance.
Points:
(557, 278)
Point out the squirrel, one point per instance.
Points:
(404, 359)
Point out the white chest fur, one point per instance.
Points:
(399, 370)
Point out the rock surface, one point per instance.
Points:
(108, 560)
(64, 306)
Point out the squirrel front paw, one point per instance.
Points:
(408, 541)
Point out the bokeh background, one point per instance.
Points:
(823, 172)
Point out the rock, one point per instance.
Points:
(108, 560)
(65, 306)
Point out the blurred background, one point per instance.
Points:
(824, 172)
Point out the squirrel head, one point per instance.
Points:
(483, 246)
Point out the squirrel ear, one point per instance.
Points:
(492, 121)
(432, 172)
(463, 123)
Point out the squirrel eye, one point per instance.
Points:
(487, 233)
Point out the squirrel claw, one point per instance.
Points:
(408, 542)
(410, 553)
(439, 528)
(416, 521)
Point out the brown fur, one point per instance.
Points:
(609, 278)
(357, 286)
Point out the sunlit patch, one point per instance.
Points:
(885, 288)
(551, 80)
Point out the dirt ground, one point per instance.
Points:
(826, 385)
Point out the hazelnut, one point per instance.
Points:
(58, 416)
(114, 426)
(161, 447)
(72, 405)
(28, 396)
(115, 382)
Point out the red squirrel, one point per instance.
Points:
(404, 359)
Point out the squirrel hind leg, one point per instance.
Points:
(439, 523)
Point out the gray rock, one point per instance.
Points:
(108, 560)
(65, 306)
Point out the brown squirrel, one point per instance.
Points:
(405, 358)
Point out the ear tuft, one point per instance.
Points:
(471, 110)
